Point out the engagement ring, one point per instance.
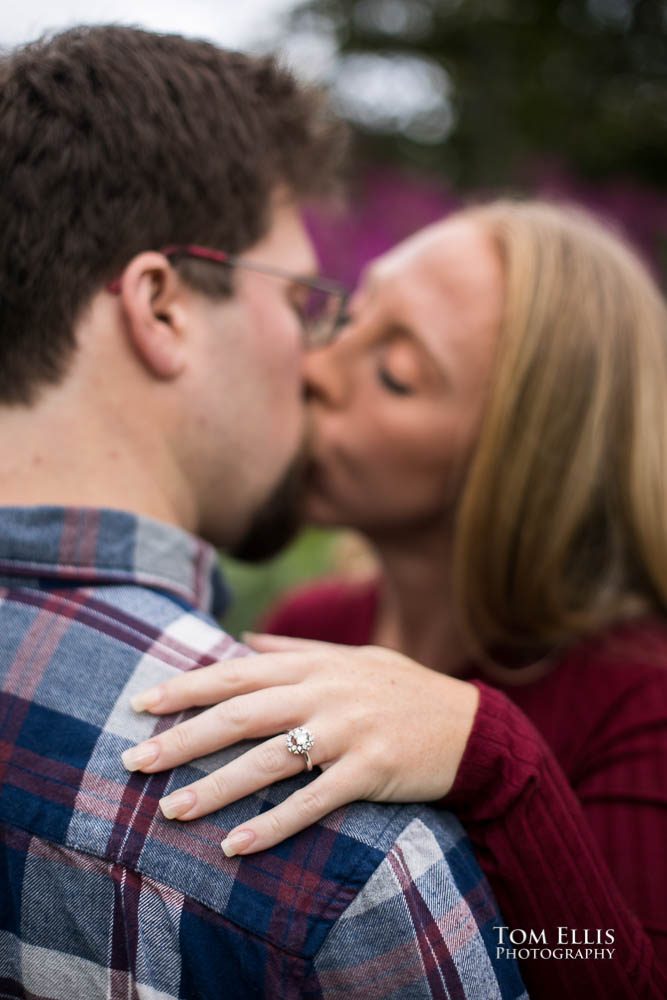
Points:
(300, 741)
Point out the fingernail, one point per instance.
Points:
(137, 757)
(237, 841)
(177, 803)
(147, 699)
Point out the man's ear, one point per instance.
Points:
(151, 299)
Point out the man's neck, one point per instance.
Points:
(69, 456)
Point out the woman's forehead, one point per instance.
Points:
(445, 277)
(454, 252)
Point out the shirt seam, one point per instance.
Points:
(140, 870)
(97, 571)
(136, 628)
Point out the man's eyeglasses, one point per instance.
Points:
(321, 306)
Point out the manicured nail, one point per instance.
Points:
(237, 841)
(177, 803)
(137, 757)
(147, 699)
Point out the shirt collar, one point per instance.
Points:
(95, 546)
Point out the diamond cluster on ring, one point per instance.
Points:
(299, 740)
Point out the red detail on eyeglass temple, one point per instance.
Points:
(189, 249)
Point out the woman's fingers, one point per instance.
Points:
(220, 681)
(252, 771)
(248, 716)
(335, 787)
(262, 642)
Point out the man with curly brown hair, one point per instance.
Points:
(157, 287)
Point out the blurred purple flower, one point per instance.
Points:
(388, 205)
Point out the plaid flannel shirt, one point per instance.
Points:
(102, 897)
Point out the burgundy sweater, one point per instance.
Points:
(563, 792)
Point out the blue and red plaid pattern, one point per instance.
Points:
(102, 897)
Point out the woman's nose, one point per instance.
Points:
(324, 377)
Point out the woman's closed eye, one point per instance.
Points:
(395, 385)
(399, 367)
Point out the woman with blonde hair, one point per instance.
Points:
(493, 419)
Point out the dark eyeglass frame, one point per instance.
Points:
(316, 332)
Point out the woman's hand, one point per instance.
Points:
(385, 728)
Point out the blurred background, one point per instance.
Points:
(449, 100)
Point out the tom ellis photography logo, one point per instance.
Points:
(559, 943)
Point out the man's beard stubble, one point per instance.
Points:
(279, 518)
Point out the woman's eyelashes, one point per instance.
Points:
(393, 384)
(398, 365)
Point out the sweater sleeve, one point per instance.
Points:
(329, 611)
(538, 848)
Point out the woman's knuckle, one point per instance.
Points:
(219, 712)
(374, 755)
(182, 740)
(271, 760)
(309, 804)
(218, 786)
(357, 719)
(232, 677)
(319, 659)
(237, 713)
(275, 824)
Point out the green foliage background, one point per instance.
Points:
(257, 588)
(581, 80)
